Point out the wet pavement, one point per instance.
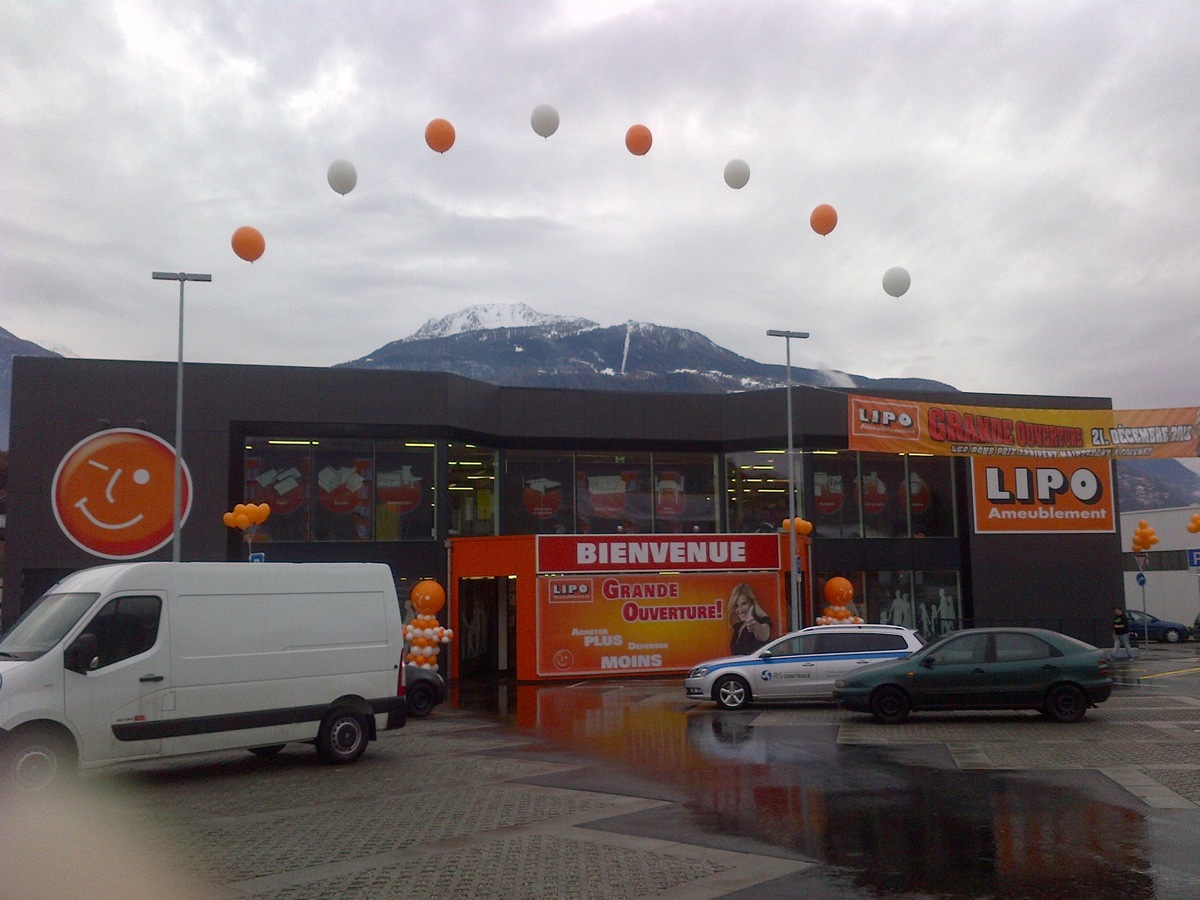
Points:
(627, 789)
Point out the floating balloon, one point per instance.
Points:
(801, 526)
(248, 243)
(838, 591)
(823, 219)
(896, 281)
(342, 176)
(544, 120)
(228, 519)
(737, 173)
(638, 139)
(439, 135)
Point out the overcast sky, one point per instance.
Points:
(1035, 166)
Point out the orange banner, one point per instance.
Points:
(1057, 496)
(643, 624)
(942, 429)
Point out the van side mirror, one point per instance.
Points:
(81, 655)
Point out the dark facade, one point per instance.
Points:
(1065, 581)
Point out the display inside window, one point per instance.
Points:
(538, 493)
(880, 493)
(684, 493)
(834, 506)
(472, 490)
(343, 472)
(404, 491)
(278, 473)
(614, 493)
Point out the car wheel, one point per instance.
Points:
(270, 750)
(1172, 636)
(342, 737)
(890, 705)
(1065, 703)
(731, 692)
(35, 761)
(421, 699)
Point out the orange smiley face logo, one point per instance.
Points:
(113, 493)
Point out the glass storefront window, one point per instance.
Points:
(938, 602)
(613, 493)
(684, 492)
(537, 491)
(405, 483)
(880, 494)
(931, 496)
(343, 478)
(757, 486)
(834, 508)
(929, 602)
(472, 482)
(277, 472)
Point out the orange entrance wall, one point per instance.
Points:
(500, 557)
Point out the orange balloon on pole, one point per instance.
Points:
(439, 135)
(248, 243)
(638, 140)
(823, 219)
(838, 591)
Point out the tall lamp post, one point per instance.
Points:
(795, 591)
(181, 277)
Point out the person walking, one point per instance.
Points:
(1121, 634)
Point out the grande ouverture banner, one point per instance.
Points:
(882, 425)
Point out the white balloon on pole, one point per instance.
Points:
(544, 120)
(737, 173)
(896, 281)
(342, 176)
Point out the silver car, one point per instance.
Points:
(801, 665)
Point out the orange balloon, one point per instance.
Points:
(838, 591)
(427, 597)
(248, 243)
(803, 526)
(439, 135)
(638, 139)
(242, 521)
(228, 519)
(823, 219)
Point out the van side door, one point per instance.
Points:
(115, 699)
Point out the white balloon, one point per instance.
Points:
(544, 120)
(896, 281)
(342, 176)
(737, 173)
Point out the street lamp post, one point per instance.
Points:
(181, 277)
(794, 589)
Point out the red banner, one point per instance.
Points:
(942, 429)
(656, 552)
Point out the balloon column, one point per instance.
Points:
(424, 634)
(1143, 537)
(839, 593)
(247, 517)
(1194, 525)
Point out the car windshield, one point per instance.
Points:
(43, 625)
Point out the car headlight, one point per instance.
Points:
(698, 672)
(841, 683)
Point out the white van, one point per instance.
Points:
(148, 659)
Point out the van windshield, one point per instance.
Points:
(43, 625)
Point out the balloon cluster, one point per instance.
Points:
(839, 593)
(424, 634)
(1144, 537)
(1194, 525)
(801, 526)
(247, 515)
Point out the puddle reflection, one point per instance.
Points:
(898, 827)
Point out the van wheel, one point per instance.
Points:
(36, 761)
(890, 705)
(342, 737)
(421, 699)
(731, 692)
(270, 750)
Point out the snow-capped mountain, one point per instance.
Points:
(497, 315)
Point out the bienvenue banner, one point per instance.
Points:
(881, 425)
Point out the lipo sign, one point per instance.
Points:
(1026, 496)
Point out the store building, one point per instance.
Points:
(476, 486)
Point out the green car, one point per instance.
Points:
(984, 668)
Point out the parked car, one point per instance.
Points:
(1143, 626)
(801, 665)
(984, 668)
(425, 690)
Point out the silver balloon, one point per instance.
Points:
(896, 281)
(342, 176)
(737, 173)
(544, 120)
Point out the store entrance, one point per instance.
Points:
(487, 627)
